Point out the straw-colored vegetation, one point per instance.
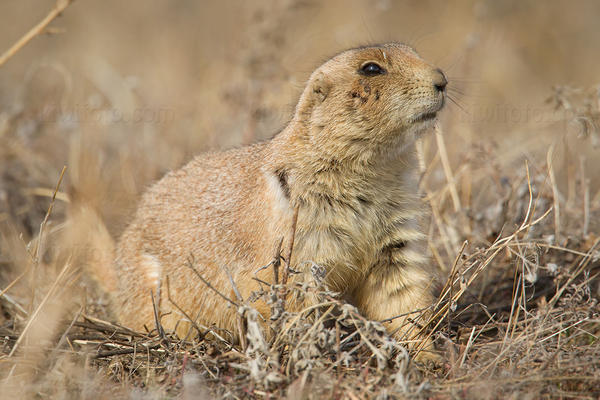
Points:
(510, 176)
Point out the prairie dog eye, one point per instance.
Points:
(371, 69)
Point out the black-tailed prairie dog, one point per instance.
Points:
(346, 160)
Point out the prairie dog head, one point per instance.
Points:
(371, 96)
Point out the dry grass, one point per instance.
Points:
(515, 228)
(518, 317)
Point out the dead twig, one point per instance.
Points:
(38, 249)
(207, 283)
(192, 321)
(159, 328)
(555, 192)
(288, 256)
(447, 169)
(37, 30)
(277, 262)
(34, 315)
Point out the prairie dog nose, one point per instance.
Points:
(439, 80)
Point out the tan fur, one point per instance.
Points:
(346, 159)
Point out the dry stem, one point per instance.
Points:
(37, 30)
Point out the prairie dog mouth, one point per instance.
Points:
(430, 114)
(425, 116)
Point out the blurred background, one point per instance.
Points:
(123, 91)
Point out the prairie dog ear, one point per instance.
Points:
(316, 91)
(320, 87)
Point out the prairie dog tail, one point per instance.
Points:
(93, 247)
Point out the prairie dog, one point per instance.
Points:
(346, 160)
